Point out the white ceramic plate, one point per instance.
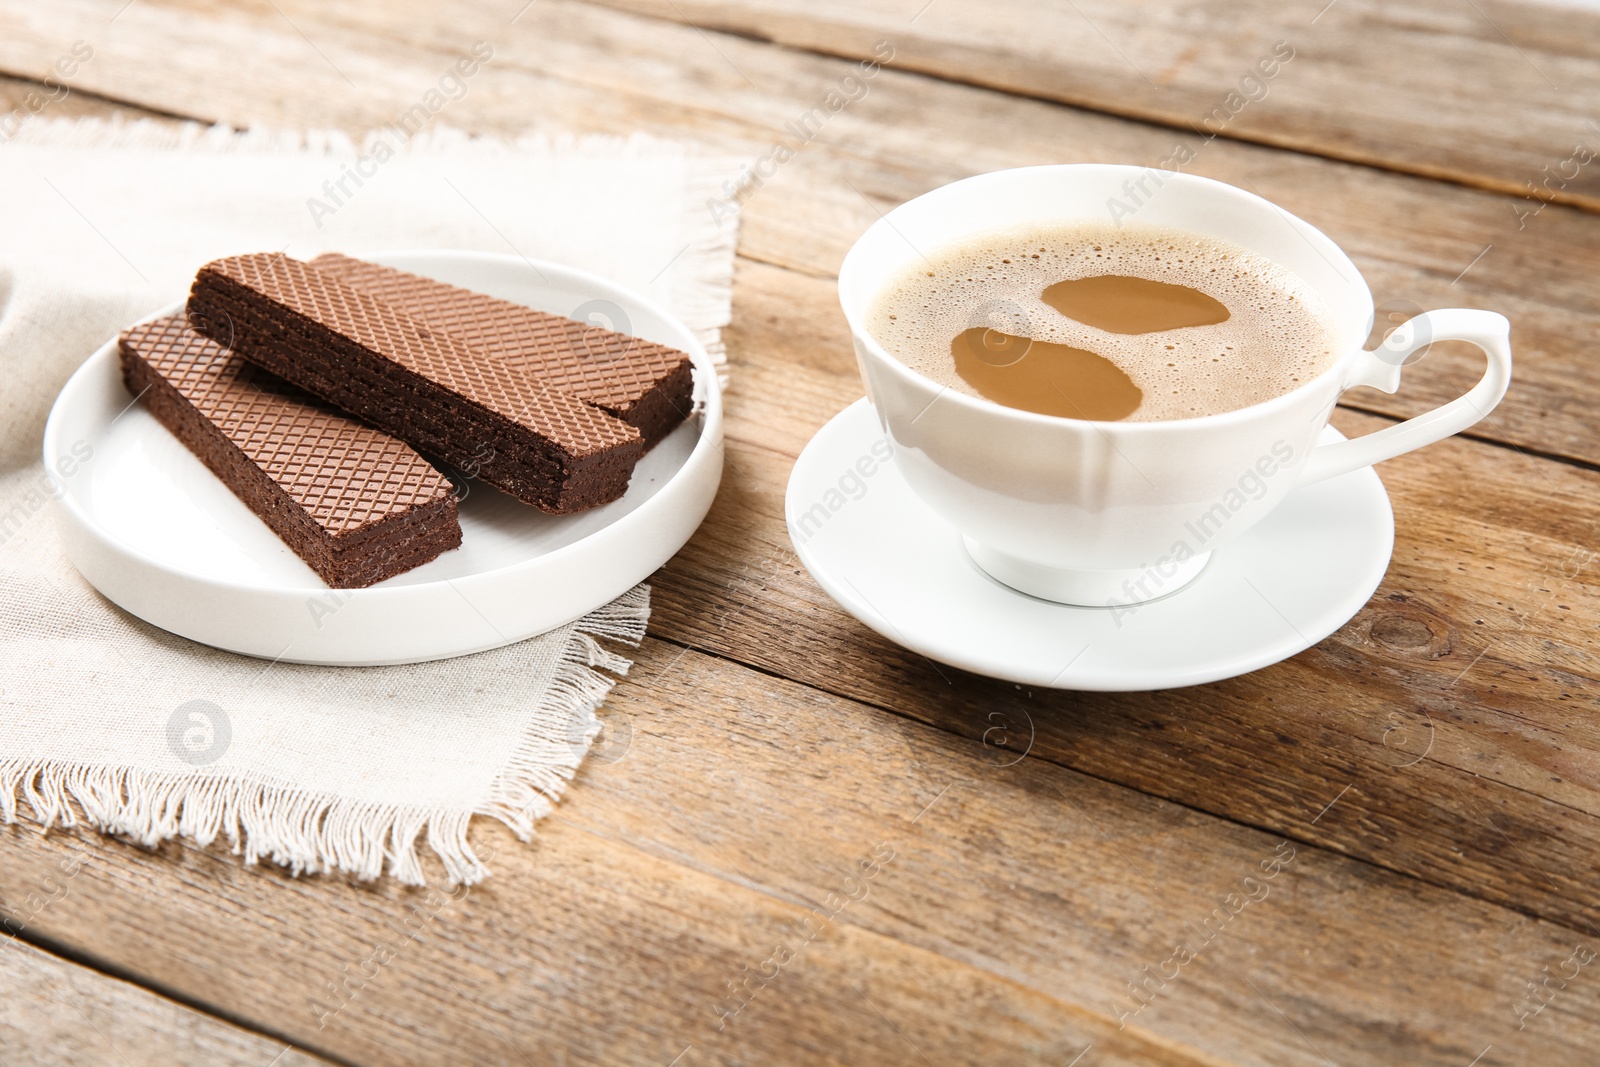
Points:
(151, 528)
(1278, 589)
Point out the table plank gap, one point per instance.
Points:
(86, 103)
(1576, 923)
(593, 68)
(58, 1009)
(1030, 886)
(1410, 120)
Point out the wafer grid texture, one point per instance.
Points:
(426, 352)
(605, 367)
(345, 474)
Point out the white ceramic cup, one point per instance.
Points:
(1111, 513)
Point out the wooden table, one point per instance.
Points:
(1424, 784)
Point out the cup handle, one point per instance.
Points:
(1381, 367)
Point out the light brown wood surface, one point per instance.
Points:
(54, 1011)
(1486, 93)
(1433, 767)
(1387, 707)
(566, 65)
(1004, 929)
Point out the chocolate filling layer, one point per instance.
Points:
(645, 384)
(468, 409)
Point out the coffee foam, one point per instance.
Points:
(1278, 335)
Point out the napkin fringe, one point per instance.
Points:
(313, 832)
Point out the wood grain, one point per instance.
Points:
(1021, 903)
(1457, 706)
(1010, 910)
(567, 65)
(54, 1011)
(1372, 82)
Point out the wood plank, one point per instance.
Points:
(1379, 83)
(567, 65)
(1494, 559)
(27, 99)
(1017, 905)
(1510, 511)
(799, 234)
(55, 1011)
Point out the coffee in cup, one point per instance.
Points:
(1095, 321)
(1082, 511)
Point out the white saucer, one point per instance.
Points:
(888, 560)
(155, 531)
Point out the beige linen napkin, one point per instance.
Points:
(320, 769)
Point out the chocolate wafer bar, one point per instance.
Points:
(357, 505)
(644, 384)
(464, 407)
